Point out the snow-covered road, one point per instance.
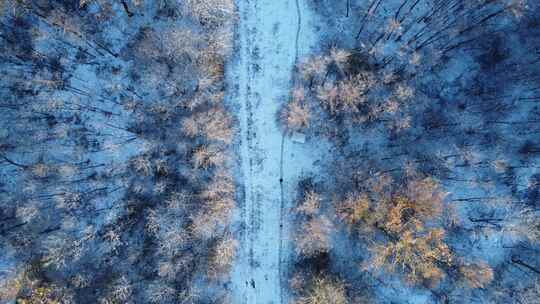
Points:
(271, 36)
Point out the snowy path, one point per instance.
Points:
(269, 41)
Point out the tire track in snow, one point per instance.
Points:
(268, 50)
(241, 80)
(283, 263)
(298, 30)
(281, 224)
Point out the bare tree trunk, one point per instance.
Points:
(517, 261)
(126, 9)
(13, 163)
(368, 12)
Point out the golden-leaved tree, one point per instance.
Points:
(408, 219)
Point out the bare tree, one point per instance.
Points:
(353, 209)
(221, 256)
(314, 68)
(214, 13)
(215, 125)
(523, 225)
(418, 254)
(207, 156)
(325, 291)
(295, 116)
(310, 204)
(476, 275)
(313, 236)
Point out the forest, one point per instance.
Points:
(257, 152)
(432, 191)
(114, 140)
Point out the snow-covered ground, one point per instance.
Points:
(272, 34)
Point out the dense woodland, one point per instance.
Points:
(117, 181)
(432, 195)
(114, 178)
